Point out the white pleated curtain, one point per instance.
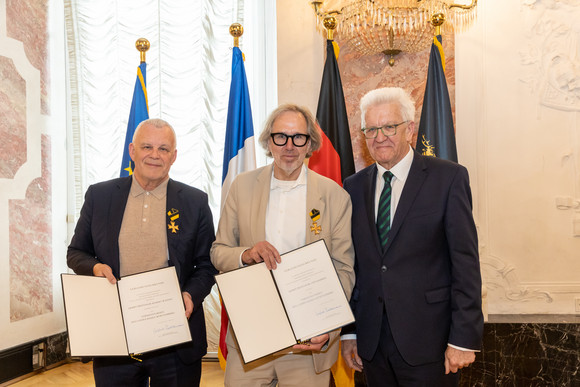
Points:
(188, 80)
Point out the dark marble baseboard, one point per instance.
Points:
(525, 351)
(543, 350)
(56, 347)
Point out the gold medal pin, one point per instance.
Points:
(315, 216)
(173, 215)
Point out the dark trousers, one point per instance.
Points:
(162, 368)
(388, 368)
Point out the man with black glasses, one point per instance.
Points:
(275, 209)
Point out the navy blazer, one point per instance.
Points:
(428, 279)
(96, 241)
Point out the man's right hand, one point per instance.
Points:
(102, 270)
(349, 352)
(262, 252)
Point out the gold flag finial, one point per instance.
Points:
(329, 23)
(437, 21)
(236, 30)
(142, 46)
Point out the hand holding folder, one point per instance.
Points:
(300, 300)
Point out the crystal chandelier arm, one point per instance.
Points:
(320, 12)
(461, 6)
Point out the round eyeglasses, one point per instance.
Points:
(298, 139)
(387, 130)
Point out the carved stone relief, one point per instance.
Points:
(549, 69)
(551, 55)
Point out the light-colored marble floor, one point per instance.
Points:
(78, 374)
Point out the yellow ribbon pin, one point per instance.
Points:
(173, 216)
(315, 216)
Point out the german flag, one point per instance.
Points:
(334, 159)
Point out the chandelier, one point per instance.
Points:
(394, 26)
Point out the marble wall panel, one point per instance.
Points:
(12, 119)
(27, 22)
(26, 156)
(523, 354)
(362, 73)
(31, 247)
(529, 354)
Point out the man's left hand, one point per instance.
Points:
(315, 344)
(188, 302)
(456, 359)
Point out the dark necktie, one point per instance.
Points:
(384, 212)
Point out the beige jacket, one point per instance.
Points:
(242, 224)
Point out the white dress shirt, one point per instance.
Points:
(285, 220)
(400, 172)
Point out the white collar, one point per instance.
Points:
(288, 185)
(401, 169)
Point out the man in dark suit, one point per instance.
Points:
(417, 298)
(143, 222)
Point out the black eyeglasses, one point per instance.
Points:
(388, 130)
(298, 139)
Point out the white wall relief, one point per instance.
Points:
(518, 89)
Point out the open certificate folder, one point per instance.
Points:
(273, 310)
(140, 313)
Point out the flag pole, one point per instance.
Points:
(236, 30)
(142, 45)
(139, 107)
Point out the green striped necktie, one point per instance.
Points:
(384, 212)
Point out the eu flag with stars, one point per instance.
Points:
(139, 112)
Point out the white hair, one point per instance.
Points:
(386, 95)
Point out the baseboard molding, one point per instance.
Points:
(28, 358)
(18, 361)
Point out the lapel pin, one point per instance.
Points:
(315, 216)
(173, 215)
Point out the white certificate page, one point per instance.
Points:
(255, 311)
(153, 310)
(311, 291)
(93, 316)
